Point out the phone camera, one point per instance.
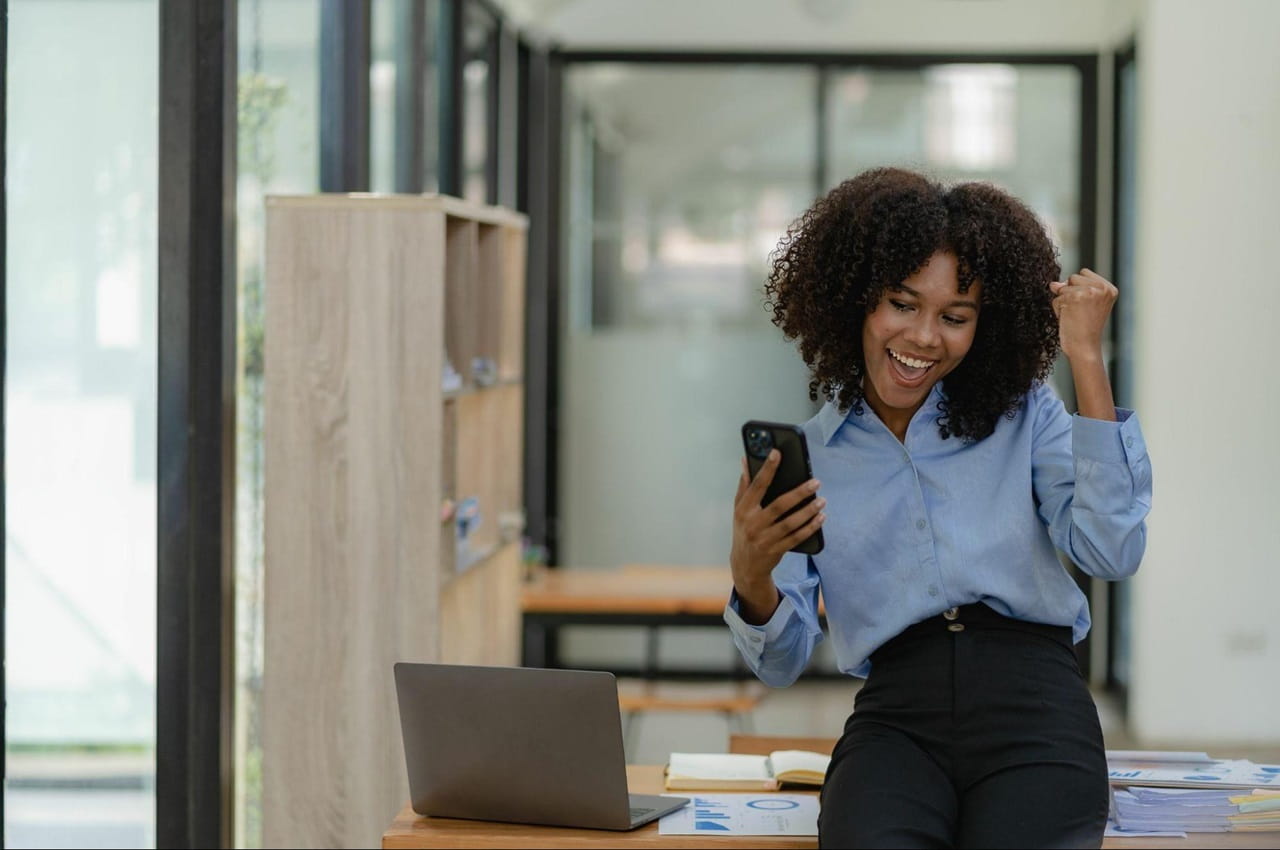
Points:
(759, 442)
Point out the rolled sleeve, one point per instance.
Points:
(751, 640)
(1108, 442)
(1095, 501)
(778, 650)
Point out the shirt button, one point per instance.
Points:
(933, 590)
(1128, 441)
(956, 627)
(920, 524)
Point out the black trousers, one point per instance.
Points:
(980, 736)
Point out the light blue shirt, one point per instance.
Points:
(914, 529)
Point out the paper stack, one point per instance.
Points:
(1196, 810)
(1192, 792)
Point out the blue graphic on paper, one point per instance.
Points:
(773, 805)
(1201, 777)
(705, 816)
(710, 825)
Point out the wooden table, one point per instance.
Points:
(648, 595)
(410, 830)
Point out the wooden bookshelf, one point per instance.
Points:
(368, 440)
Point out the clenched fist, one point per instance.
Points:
(1082, 304)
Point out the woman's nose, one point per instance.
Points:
(923, 333)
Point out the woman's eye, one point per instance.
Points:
(900, 306)
(954, 321)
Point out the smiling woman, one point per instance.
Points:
(944, 508)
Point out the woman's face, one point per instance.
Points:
(919, 331)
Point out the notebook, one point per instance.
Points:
(736, 772)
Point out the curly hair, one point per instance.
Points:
(877, 229)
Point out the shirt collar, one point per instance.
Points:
(831, 419)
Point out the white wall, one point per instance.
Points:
(1206, 631)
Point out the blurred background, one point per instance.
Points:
(660, 149)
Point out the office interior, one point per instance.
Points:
(650, 155)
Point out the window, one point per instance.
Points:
(80, 441)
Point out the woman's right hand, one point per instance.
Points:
(761, 538)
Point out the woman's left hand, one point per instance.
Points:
(1082, 304)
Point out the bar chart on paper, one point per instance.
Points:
(744, 814)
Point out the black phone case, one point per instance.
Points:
(793, 471)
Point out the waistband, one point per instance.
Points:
(977, 615)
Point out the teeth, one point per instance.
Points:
(915, 364)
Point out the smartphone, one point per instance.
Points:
(758, 438)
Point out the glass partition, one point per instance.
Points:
(680, 181)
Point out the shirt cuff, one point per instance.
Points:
(1108, 442)
(752, 640)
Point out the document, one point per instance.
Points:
(744, 814)
(1114, 831)
(1225, 773)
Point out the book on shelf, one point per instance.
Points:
(738, 772)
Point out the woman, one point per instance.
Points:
(951, 476)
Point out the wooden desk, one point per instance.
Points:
(410, 830)
(648, 595)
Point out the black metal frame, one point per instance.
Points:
(505, 132)
(411, 63)
(542, 378)
(450, 53)
(1121, 58)
(493, 107)
(541, 193)
(345, 29)
(524, 54)
(196, 415)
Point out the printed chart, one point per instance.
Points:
(744, 814)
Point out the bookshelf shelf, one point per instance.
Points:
(394, 401)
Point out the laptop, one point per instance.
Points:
(519, 744)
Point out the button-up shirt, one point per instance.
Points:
(916, 527)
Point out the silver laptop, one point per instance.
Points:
(519, 744)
